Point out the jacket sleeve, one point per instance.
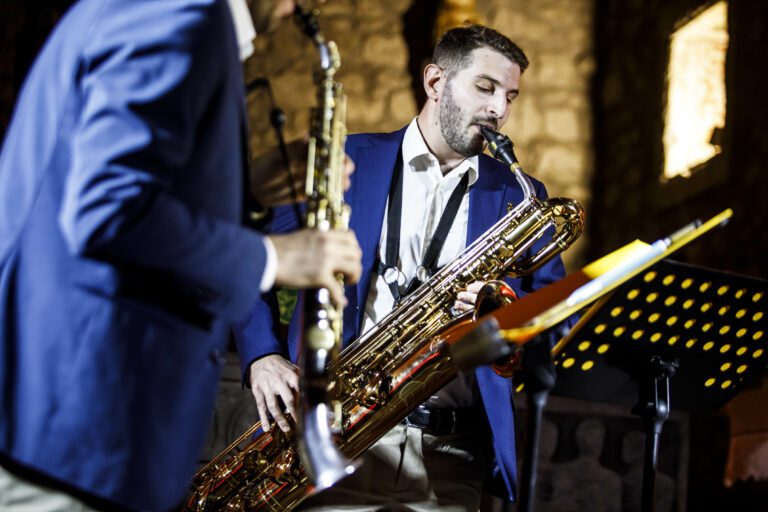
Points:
(145, 103)
(258, 335)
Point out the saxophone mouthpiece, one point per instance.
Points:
(306, 19)
(500, 146)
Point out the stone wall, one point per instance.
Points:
(630, 201)
(373, 70)
(550, 122)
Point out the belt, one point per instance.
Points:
(443, 421)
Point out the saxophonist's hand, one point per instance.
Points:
(274, 377)
(270, 184)
(312, 259)
(465, 301)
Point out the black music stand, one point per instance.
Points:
(538, 376)
(703, 330)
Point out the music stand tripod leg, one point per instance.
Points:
(539, 379)
(654, 410)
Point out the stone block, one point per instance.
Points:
(385, 50)
(339, 29)
(563, 15)
(354, 83)
(563, 125)
(376, 8)
(558, 70)
(337, 8)
(402, 108)
(363, 114)
(561, 163)
(289, 43)
(518, 27)
(525, 120)
(294, 89)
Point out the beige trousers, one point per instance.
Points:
(408, 470)
(19, 495)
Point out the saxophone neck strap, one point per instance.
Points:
(389, 269)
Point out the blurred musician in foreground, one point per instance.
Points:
(441, 456)
(123, 258)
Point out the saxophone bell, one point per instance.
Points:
(493, 295)
(324, 463)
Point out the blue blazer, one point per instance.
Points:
(123, 262)
(374, 156)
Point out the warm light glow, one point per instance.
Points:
(696, 94)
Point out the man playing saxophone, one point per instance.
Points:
(123, 256)
(449, 193)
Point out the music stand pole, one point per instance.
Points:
(539, 379)
(654, 409)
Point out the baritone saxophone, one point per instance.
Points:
(398, 364)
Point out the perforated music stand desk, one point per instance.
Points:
(675, 335)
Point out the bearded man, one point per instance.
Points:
(463, 437)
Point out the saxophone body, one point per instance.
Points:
(403, 360)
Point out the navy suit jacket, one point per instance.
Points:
(374, 156)
(123, 261)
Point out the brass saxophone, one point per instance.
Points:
(217, 488)
(397, 364)
(321, 319)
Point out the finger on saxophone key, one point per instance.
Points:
(310, 259)
(465, 300)
(349, 168)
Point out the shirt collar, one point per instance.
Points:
(245, 32)
(418, 157)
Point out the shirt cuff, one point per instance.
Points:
(270, 269)
(244, 29)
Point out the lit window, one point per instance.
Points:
(695, 112)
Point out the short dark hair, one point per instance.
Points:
(453, 50)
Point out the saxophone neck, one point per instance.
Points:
(306, 19)
(502, 149)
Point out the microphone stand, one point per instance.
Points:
(277, 120)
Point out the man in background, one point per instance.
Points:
(463, 437)
(123, 258)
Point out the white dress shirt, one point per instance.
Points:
(425, 195)
(244, 29)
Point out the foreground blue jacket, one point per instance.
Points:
(374, 156)
(122, 257)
